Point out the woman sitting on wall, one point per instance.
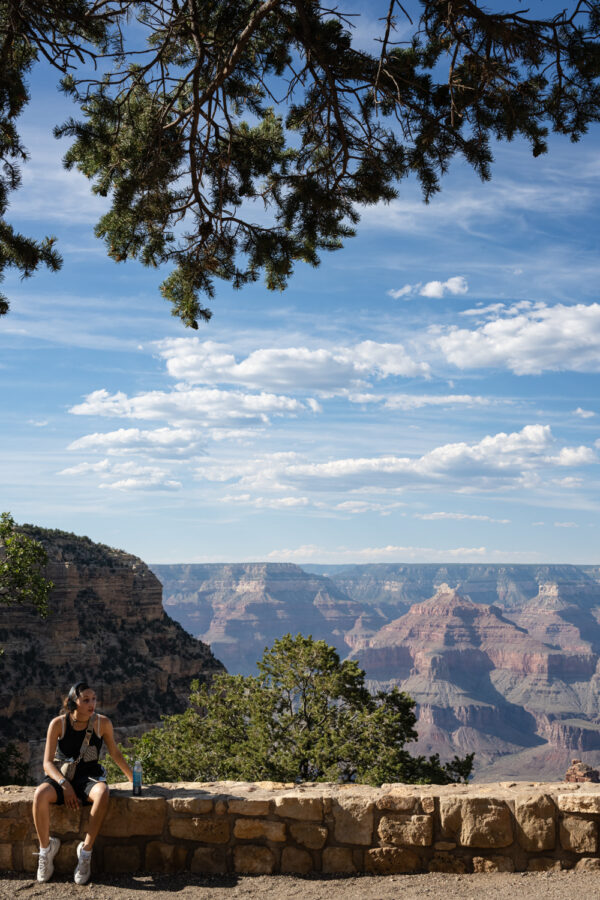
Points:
(76, 734)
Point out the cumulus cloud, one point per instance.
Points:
(497, 461)
(439, 289)
(183, 405)
(433, 289)
(131, 440)
(528, 340)
(584, 413)
(127, 476)
(287, 368)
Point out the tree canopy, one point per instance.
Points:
(22, 561)
(306, 716)
(237, 137)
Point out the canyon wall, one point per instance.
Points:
(106, 625)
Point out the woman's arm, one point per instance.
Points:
(111, 745)
(54, 732)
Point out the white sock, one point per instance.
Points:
(85, 852)
(44, 849)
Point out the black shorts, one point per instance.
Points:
(82, 785)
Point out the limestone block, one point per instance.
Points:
(391, 861)
(578, 835)
(121, 859)
(14, 830)
(544, 864)
(64, 820)
(160, 857)
(5, 857)
(221, 807)
(579, 803)
(251, 859)
(406, 830)
(338, 861)
(207, 831)
(30, 860)
(311, 836)
(428, 805)
(442, 862)
(66, 858)
(397, 803)
(295, 861)
(258, 828)
(307, 809)
(209, 861)
(12, 808)
(353, 818)
(241, 806)
(476, 821)
(588, 864)
(195, 806)
(535, 822)
(143, 815)
(493, 864)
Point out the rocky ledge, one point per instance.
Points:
(267, 828)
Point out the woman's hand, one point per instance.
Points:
(71, 798)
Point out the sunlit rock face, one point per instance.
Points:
(107, 625)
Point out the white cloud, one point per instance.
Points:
(291, 368)
(417, 401)
(438, 289)
(535, 339)
(566, 525)
(435, 516)
(500, 461)
(583, 413)
(389, 553)
(433, 289)
(184, 404)
(132, 440)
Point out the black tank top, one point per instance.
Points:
(70, 746)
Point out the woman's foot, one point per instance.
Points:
(84, 864)
(46, 860)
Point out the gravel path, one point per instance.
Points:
(546, 886)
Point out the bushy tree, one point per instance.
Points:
(237, 137)
(22, 561)
(306, 716)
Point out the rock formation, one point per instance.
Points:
(240, 609)
(107, 625)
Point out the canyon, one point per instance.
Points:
(501, 660)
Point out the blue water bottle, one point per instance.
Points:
(137, 778)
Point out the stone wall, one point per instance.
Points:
(269, 828)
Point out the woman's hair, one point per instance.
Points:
(69, 703)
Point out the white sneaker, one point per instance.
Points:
(46, 860)
(83, 867)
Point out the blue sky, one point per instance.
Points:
(429, 394)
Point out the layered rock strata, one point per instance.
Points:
(107, 625)
(270, 828)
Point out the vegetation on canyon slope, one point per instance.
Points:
(306, 716)
(22, 560)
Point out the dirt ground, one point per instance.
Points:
(546, 886)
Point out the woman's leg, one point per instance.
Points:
(43, 797)
(99, 797)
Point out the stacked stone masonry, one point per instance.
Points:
(267, 828)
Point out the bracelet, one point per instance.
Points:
(62, 781)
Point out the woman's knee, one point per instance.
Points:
(100, 793)
(44, 793)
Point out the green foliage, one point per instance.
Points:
(306, 716)
(22, 560)
(235, 107)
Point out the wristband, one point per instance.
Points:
(62, 781)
